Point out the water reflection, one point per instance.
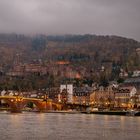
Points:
(53, 126)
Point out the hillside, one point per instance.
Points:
(85, 54)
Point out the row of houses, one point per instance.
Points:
(122, 96)
(57, 69)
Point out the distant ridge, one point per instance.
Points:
(87, 50)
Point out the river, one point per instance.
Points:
(55, 126)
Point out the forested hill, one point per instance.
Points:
(90, 51)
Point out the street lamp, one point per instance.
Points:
(45, 99)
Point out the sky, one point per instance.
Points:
(57, 17)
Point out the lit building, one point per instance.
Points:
(102, 96)
(125, 96)
(82, 95)
(69, 92)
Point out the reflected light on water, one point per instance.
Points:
(55, 126)
(15, 119)
(41, 117)
(122, 122)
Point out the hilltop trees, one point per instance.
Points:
(83, 52)
(39, 43)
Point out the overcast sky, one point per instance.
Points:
(101, 17)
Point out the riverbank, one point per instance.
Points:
(117, 113)
(120, 113)
(63, 111)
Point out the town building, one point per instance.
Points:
(125, 96)
(135, 81)
(82, 95)
(136, 73)
(103, 96)
(68, 90)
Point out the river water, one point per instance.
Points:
(55, 126)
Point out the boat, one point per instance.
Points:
(132, 113)
(121, 113)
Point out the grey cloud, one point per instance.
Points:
(118, 17)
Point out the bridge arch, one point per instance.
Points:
(39, 104)
(56, 106)
(14, 107)
(17, 104)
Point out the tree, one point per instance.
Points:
(120, 80)
(39, 43)
(103, 81)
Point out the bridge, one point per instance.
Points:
(17, 103)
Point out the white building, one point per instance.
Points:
(69, 90)
(124, 96)
(3, 93)
(136, 73)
